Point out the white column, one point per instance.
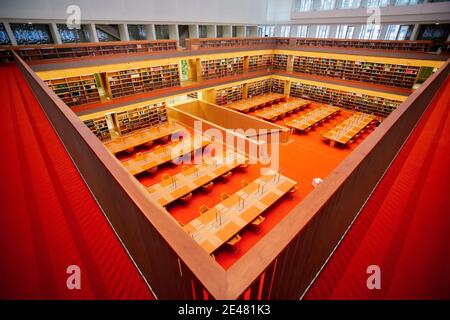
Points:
(227, 31)
(383, 31)
(173, 32)
(211, 31)
(55, 33)
(10, 33)
(293, 33)
(123, 32)
(150, 31)
(92, 32)
(415, 32)
(193, 31)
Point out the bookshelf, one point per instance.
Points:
(349, 100)
(277, 86)
(99, 127)
(138, 118)
(6, 56)
(280, 62)
(260, 62)
(42, 52)
(212, 69)
(386, 74)
(228, 95)
(75, 90)
(126, 82)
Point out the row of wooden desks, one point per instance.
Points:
(346, 130)
(181, 184)
(256, 102)
(282, 109)
(142, 136)
(222, 222)
(162, 154)
(312, 118)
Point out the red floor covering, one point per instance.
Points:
(405, 226)
(49, 219)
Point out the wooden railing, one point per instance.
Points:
(283, 262)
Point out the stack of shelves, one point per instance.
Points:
(277, 86)
(31, 53)
(99, 127)
(6, 56)
(349, 100)
(260, 62)
(126, 82)
(75, 90)
(400, 76)
(142, 117)
(212, 69)
(280, 62)
(228, 95)
(257, 88)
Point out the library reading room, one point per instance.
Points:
(225, 150)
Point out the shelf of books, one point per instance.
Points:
(228, 95)
(75, 90)
(146, 116)
(99, 127)
(280, 62)
(218, 68)
(277, 86)
(260, 62)
(349, 100)
(41, 52)
(257, 88)
(385, 74)
(6, 56)
(126, 82)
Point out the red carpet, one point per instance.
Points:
(404, 227)
(49, 219)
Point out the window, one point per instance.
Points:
(404, 32)
(392, 31)
(346, 4)
(303, 5)
(285, 31)
(266, 31)
(370, 31)
(4, 38)
(302, 31)
(162, 31)
(322, 31)
(345, 32)
(327, 4)
(203, 31)
(73, 35)
(407, 2)
(377, 3)
(137, 32)
(26, 33)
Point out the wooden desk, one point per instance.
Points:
(148, 160)
(142, 136)
(313, 117)
(347, 129)
(255, 102)
(219, 224)
(189, 180)
(282, 109)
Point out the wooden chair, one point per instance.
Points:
(203, 209)
(227, 175)
(224, 196)
(257, 222)
(293, 189)
(244, 183)
(165, 176)
(165, 139)
(208, 186)
(149, 143)
(152, 170)
(187, 197)
(130, 150)
(234, 241)
(244, 165)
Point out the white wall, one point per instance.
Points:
(279, 10)
(109, 11)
